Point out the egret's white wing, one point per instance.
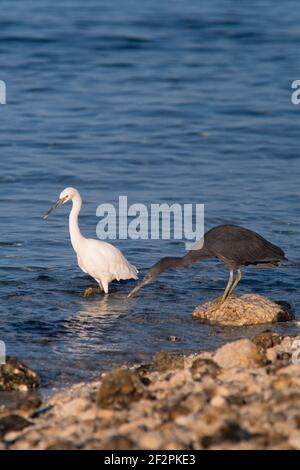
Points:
(101, 259)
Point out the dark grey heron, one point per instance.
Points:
(235, 246)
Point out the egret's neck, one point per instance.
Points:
(75, 233)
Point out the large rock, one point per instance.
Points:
(18, 391)
(16, 376)
(248, 309)
(241, 353)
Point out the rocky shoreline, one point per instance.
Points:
(244, 395)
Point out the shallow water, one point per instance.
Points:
(175, 102)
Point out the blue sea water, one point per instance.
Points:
(175, 101)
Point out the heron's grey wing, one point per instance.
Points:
(242, 246)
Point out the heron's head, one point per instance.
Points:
(66, 195)
(150, 275)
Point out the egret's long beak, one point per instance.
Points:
(58, 204)
(137, 288)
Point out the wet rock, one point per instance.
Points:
(174, 407)
(173, 338)
(12, 423)
(201, 367)
(236, 400)
(164, 361)
(278, 359)
(241, 353)
(267, 339)
(283, 359)
(118, 443)
(61, 445)
(14, 375)
(230, 431)
(248, 309)
(178, 409)
(24, 403)
(281, 382)
(285, 305)
(119, 388)
(271, 356)
(143, 371)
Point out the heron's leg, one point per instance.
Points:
(227, 288)
(238, 278)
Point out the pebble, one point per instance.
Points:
(218, 401)
(241, 353)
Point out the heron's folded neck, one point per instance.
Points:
(194, 256)
(191, 257)
(76, 237)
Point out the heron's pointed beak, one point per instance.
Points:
(58, 204)
(137, 288)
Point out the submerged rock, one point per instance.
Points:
(248, 309)
(173, 338)
(119, 388)
(241, 353)
(16, 376)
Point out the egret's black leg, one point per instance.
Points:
(227, 289)
(238, 278)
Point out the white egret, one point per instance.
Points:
(101, 260)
